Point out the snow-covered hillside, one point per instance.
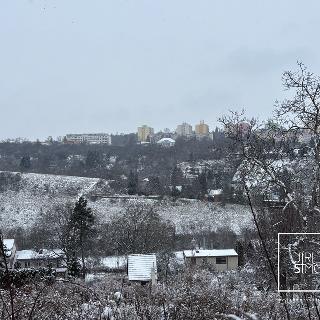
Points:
(23, 200)
(34, 194)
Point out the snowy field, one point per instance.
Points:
(37, 193)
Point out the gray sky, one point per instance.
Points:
(110, 66)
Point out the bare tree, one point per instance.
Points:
(139, 230)
(260, 146)
(301, 115)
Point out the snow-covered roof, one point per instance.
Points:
(43, 254)
(215, 192)
(140, 265)
(8, 245)
(210, 253)
(166, 140)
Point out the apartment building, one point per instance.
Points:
(202, 129)
(90, 138)
(145, 133)
(184, 129)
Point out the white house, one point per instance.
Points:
(218, 259)
(142, 267)
(166, 142)
(54, 258)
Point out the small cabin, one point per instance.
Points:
(43, 258)
(142, 268)
(218, 259)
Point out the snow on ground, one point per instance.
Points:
(179, 257)
(34, 194)
(114, 262)
(188, 215)
(54, 184)
(196, 215)
(37, 193)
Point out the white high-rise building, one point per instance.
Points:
(184, 129)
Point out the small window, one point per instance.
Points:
(221, 260)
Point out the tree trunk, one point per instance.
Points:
(82, 258)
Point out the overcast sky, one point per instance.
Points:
(109, 66)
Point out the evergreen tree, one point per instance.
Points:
(176, 180)
(82, 220)
(155, 186)
(25, 163)
(202, 178)
(93, 159)
(74, 267)
(176, 177)
(132, 183)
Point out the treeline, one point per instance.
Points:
(131, 168)
(94, 160)
(151, 169)
(79, 232)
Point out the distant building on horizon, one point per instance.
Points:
(90, 138)
(145, 133)
(202, 129)
(166, 142)
(184, 129)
